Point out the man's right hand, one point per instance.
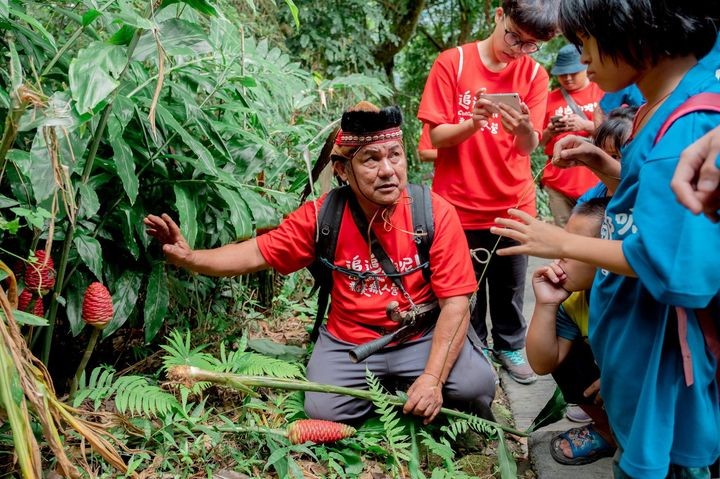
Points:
(166, 231)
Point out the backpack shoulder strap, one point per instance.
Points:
(423, 223)
(329, 219)
(700, 102)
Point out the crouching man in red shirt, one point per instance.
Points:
(440, 361)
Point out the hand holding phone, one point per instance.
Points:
(510, 99)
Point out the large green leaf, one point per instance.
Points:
(185, 203)
(157, 299)
(90, 252)
(125, 294)
(127, 226)
(29, 319)
(239, 212)
(200, 5)
(506, 461)
(124, 161)
(129, 16)
(265, 216)
(94, 72)
(73, 301)
(207, 161)
(89, 201)
(37, 26)
(178, 37)
(4, 10)
(40, 169)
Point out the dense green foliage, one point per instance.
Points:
(211, 111)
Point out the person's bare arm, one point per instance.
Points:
(538, 238)
(425, 394)
(228, 260)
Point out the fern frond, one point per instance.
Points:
(99, 387)
(395, 433)
(181, 353)
(441, 448)
(135, 395)
(254, 364)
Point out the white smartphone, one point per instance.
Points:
(510, 99)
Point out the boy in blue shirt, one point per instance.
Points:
(659, 262)
(557, 341)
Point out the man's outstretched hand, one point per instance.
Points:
(166, 231)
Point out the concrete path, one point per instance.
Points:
(526, 401)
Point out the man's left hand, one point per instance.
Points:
(424, 398)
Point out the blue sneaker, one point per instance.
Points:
(513, 361)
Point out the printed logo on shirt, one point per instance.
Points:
(376, 285)
(466, 101)
(617, 227)
(566, 110)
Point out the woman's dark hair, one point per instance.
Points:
(641, 32)
(538, 18)
(616, 127)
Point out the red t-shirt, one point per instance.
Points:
(575, 181)
(292, 247)
(425, 142)
(484, 175)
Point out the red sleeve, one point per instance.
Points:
(536, 99)
(452, 270)
(291, 246)
(438, 98)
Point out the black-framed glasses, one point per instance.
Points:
(514, 40)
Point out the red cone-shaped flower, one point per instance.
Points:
(97, 309)
(40, 276)
(24, 300)
(318, 431)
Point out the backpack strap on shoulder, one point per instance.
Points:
(423, 224)
(700, 102)
(329, 219)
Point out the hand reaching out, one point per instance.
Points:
(166, 231)
(536, 237)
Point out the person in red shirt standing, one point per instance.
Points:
(483, 163)
(368, 154)
(570, 110)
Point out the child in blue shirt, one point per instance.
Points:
(655, 255)
(557, 341)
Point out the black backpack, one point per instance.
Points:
(329, 220)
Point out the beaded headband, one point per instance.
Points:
(346, 138)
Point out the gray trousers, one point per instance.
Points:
(470, 385)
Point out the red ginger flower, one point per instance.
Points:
(40, 275)
(318, 431)
(24, 300)
(97, 308)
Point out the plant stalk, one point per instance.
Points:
(192, 374)
(83, 362)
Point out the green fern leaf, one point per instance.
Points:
(136, 396)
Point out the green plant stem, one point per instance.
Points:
(83, 362)
(70, 229)
(243, 383)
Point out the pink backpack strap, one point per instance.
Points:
(699, 102)
(684, 346)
